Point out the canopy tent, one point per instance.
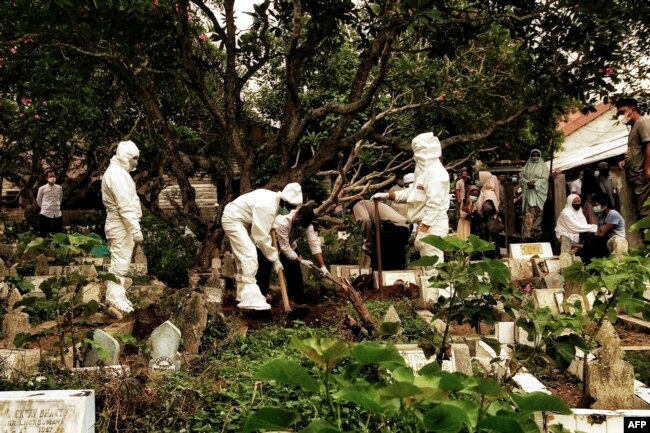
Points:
(566, 160)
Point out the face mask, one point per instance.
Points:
(596, 173)
(473, 198)
(133, 163)
(534, 158)
(597, 210)
(514, 180)
(624, 119)
(478, 184)
(576, 206)
(51, 180)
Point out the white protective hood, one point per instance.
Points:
(292, 194)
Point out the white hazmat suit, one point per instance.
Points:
(123, 214)
(247, 222)
(429, 199)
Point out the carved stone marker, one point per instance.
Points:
(610, 379)
(193, 322)
(528, 250)
(392, 324)
(165, 340)
(69, 411)
(106, 352)
(414, 356)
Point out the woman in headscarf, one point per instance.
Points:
(534, 182)
(488, 223)
(571, 223)
(468, 207)
(590, 187)
(489, 189)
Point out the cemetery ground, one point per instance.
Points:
(488, 345)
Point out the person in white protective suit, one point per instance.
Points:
(123, 214)
(429, 199)
(247, 222)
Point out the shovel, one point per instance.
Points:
(283, 282)
(380, 276)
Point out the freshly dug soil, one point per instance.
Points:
(562, 384)
(630, 336)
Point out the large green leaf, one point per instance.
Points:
(500, 424)
(540, 402)
(270, 418)
(371, 352)
(364, 395)
(326, 352)
(401, 390)
(287, 372)
(320, 426)
(444, 418)
(479, 245)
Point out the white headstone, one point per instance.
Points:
(529, 250)
(546, 298)
(165, 340)
(391, 277)
(107, 350)
(414, 356)
(69, 411)
(505, 332)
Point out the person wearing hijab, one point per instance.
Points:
(534, 183)
(589, 188)
(489, 189)
(468, 207)
(572, 222)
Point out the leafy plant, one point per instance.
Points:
(374, 379)
(471, 283)
(63, 247)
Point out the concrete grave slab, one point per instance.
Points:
(414, 356)
(69, 411)
(391, 277)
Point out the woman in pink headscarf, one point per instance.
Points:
(489, 224)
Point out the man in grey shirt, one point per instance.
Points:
(637, 158)
(49, 198)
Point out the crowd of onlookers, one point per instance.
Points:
(590, 224)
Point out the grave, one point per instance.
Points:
(546, 298)
(389, 278)
(164, 341)
(19, 362)
(193, 321)
(413, 355)
(527, 251)
(349, 272)
(69, 411)
(391, 324)
(106, 350)
(41, 265)
(461, 359)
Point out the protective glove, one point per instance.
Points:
(306, 263)
(323, 269)
(137, 237)
(380, 196)
(277, 266)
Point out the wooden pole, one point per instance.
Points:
(380, 277)
(283, 282)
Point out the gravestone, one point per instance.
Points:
(192, 322)
(461, 359)
(87, 271)
(14, 296)
(55, 271)
(527, 251)
(505, 332)
(520, 269)
(3, 269)
(213, 299)
(4, 290)
(413, 355)
(41, 265)
(56, 411)
(571, 301)
(164, 341)
(138, 255)
(546, 298)
(554, 281)
(91, 292)
(138, 265)
(610, 379)
(389, 278)
(349, 272)
(228, 266)
(17, 363)
(565, 260)
(106, 350)
(14, 322)
(391, 324)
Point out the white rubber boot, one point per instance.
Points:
(252, 299)
(116, 296)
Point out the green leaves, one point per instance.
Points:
(444, 418)
(270, 418)
(326, 353)
(288, 372)
(540, 402)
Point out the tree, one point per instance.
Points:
(312, 84)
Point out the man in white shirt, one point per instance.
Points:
(288, 228)
(49, 200)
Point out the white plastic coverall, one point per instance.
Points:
(429, 199)
(247, 222)
(123, 214)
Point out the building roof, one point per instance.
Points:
(590, 154)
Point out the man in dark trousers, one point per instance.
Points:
(637, 157)
(49, 200)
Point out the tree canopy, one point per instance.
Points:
(319, 87)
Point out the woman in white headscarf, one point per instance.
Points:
(572, 222)
(489, 189)
(534, 183)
